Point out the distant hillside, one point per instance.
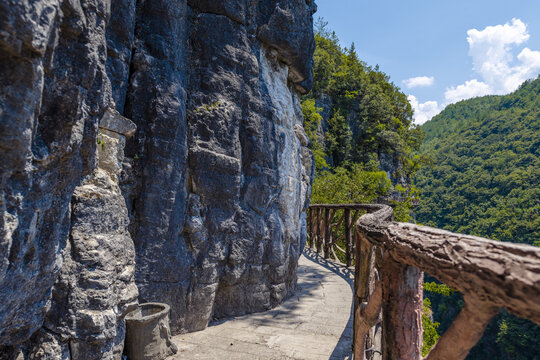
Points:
(485, 180)
(486, 167)
(456, 116)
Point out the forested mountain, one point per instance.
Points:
(484, 180)
(364, 115)
(359, 125)
(486, 167)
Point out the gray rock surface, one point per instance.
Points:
(216, 179)
(54, 88)
(96, 286)
(223, 180)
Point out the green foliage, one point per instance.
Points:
(518, 337)
(508, 338)
(339, 138)
(367, 122)
(486, 171)
(206, 108)
(436, 296)
(402, 208)
(430, 335)
(100, 141)
(484, 181)
(312, 123)
(344, 186)
(436, 288)
(368, 116)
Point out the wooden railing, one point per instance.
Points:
(331, 229)
(388, 280)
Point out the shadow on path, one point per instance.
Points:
(343, 349)
(313, 324)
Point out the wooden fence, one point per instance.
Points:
(388, 278)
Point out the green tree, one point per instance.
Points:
(367, 116)
(430, 335)
(312, 123)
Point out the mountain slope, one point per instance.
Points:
(486, 167)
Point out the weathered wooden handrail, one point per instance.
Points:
(388, 283)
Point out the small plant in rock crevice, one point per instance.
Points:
(100, 141)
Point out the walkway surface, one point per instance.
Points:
(316, 323)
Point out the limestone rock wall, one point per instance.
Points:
(95, 288)
(209, 201)
(53, 90)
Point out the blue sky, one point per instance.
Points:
(439, 52)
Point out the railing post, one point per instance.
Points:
(348, 237)
(327, 233)
(319, 230)
(308, 226)
(358, 343)
(366, 306)
(402, 310)
(313, 224)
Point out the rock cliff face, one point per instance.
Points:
(209, 201)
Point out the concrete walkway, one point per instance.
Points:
(316, 323)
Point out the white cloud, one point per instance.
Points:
(493, 53)
(470, 89)
(420, 81)
(530, 65)
(423, 111)
(499, 65)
